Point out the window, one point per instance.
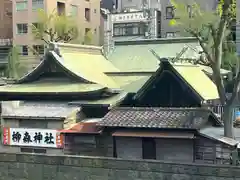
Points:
(38, 25)
(21, 6)
(39, 49)
(129, 29)
(115, 5)
(95, 11)
(61, 8)
(170, 34)
(149, 148)
(37, 4)
(87, 30)
(87, 14)
(169, 12)
(74, 10)
(22, 28)
(31, 150)
(27, 150)
(40, 151)
(23, 50)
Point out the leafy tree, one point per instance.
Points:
(212, 28)
(14, 68)
(55, 28)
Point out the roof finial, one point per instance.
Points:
(54, 47)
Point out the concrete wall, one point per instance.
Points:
(38, 167)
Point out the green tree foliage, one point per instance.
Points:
(55, 28)
(88, 38)
(14, 68)
(212, 29)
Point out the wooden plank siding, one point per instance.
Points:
(197, 150)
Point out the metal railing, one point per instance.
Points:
(5, 42)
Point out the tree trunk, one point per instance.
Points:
(228, 121)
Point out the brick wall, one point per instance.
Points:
(42, 167)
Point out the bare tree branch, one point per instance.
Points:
(223, 22)
(236, 86)
(202, 44)
(213, 32)
(47, 42)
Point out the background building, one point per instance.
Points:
(132, 25)
(168, 14)
(6, 31)
(157, 15)
(24, 14)
(131, 20)
(5, 19)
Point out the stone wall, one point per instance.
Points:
(42, 167)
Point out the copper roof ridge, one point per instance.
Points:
(79, 46)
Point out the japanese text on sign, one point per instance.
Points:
(128, 17)
(32, 137)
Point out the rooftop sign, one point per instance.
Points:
(128, 17)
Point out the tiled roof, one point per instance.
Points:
(37, 110)
(192, 118)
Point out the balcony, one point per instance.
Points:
(5, 47)
(5, 42)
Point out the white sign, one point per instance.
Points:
(128, 17)
(32, 137)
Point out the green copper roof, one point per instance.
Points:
(130, 82)
(198, 80)
(124, 80)
(131, 56)
(50, 87)
(81, 63)
(109, 101)
(134, 86)
(88, 63)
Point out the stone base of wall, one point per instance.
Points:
(46, 167)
